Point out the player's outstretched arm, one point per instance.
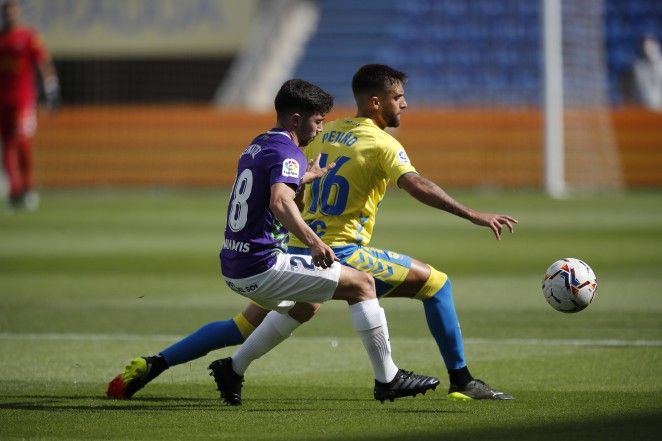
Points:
(429, 193)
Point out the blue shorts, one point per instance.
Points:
(389, 269)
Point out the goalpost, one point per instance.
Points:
(553, 99)
(580, 152)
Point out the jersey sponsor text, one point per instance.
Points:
(238, 246)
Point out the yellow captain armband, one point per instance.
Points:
(434, 283)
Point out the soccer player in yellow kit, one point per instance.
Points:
(341, 208)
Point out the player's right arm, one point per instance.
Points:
(429, 193)
(282, 205)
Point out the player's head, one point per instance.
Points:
(379, 93)
(10, 13)
(301, 107)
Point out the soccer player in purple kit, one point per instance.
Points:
(255, 264)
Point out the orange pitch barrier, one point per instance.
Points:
(197, 146)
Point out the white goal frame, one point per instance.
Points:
(554, 157)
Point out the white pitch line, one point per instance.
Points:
(566, 342)
(68, 336)
(491, 341)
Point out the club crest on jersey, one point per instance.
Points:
(290, 168)
(402, 156)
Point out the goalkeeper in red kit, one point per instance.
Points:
(21, 54)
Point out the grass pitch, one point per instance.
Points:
(96, 278)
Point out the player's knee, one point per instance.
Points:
(355, 286)
(302, 312)
(365, 287)
(433, 284)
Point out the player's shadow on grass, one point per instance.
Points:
(56, 403)
(97, 402)
(266, 405)
(101, 397)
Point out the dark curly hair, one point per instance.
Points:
(301, 96)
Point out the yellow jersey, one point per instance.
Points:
(341, 206)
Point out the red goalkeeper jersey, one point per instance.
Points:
(21, 50)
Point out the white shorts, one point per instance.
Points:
(293, 278)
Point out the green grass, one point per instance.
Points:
(96, 278)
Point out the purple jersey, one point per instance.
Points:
(253, 235)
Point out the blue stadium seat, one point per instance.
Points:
(458, 52)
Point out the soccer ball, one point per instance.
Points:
(569, 285)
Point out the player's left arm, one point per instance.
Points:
(429, 193)
(283, 207)
(314, 171)
(47, 72)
